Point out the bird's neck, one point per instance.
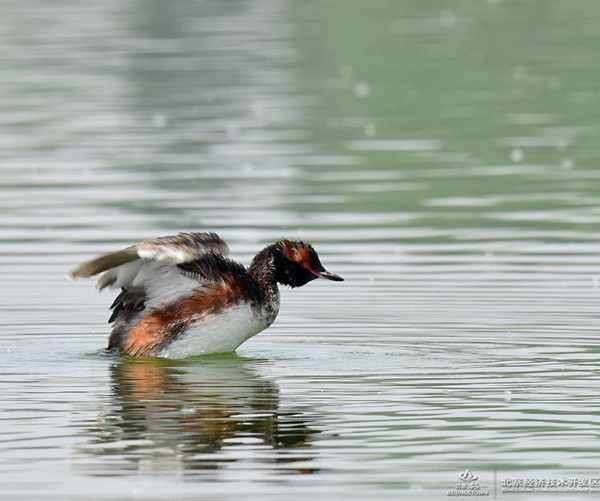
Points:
(264, 270)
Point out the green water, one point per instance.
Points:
(441, 156)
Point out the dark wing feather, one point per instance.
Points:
(214, 268)
(105, 262)
(128, 302)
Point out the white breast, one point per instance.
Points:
(221, 332)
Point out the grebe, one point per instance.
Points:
(182, 296)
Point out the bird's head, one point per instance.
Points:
(297, 263)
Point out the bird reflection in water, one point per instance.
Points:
(198, 415)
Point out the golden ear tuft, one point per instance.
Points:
(299, 252)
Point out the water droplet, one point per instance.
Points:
(232, 130)
(362, 90)
(507, 396)
(519, 71)
(258, 110)
(516, 155)
(188, 411)
(370, 130)
(567, 164)
(554, 83)
(447, 18)
(159, 120)
(346, 71)
(477, 58)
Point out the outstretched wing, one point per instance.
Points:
(157, 274)
(123, 267)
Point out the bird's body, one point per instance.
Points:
(182, 296)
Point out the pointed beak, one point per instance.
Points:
(329, 276)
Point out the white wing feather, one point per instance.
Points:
(152, 264)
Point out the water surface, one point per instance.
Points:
(442, 158)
